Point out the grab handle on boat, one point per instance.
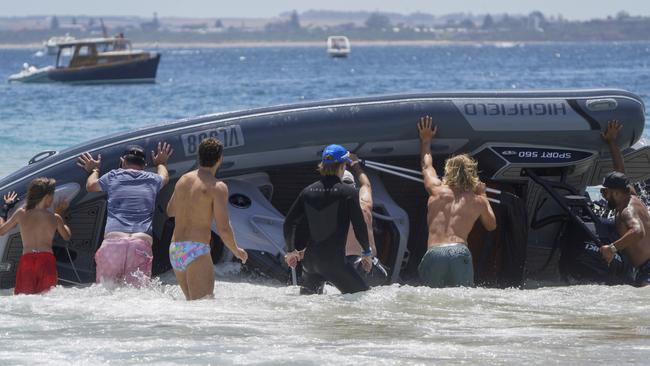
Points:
(42, 155)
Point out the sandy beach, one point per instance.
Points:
(280, 44)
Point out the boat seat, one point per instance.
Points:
(256, 223)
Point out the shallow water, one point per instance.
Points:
(267, 324)
(255, 321)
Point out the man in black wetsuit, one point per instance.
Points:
(329, 206)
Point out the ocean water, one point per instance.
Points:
(256, 321)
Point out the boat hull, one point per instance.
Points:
(133, 71)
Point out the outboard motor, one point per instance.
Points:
(581, 234)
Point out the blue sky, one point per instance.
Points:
(572, 9)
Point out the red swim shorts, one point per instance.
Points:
(36, 273)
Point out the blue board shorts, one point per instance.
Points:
(447, 265)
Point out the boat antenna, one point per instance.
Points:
(104, 32)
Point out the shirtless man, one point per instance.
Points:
(199, 198)
(125, 254)
(632, 220)
(36, 271)
(352, 247)
(455, 203)
(374, 272)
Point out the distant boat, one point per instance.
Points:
(95, 60)
(51, 46)
(338, 46)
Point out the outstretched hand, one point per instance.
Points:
(87, 162)
(10, 198)
(611, 133)
(164, 151)
(426, 129)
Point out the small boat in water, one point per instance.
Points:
(95, 60)
(538, 151)
(338, 46)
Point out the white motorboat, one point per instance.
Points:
(32, 74)
(338, 46)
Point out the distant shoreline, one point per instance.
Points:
(264, 44)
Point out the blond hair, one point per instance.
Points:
(38, 189)
(461, 173)
(329, 169)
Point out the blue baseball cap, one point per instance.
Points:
(336, 154)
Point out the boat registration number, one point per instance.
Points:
(230, 136)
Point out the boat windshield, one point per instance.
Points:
(65, 56)
(117, 45)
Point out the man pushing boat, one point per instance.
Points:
(632, 219)
(199, 198)
(125, 254)
(455, 203)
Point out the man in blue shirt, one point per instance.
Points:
(125, 254)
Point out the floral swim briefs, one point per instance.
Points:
(181, 254)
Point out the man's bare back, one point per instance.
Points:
(196, 199)
(38, 226)
(451, 211)
(639, 251)
(199, 198)
(451, 215)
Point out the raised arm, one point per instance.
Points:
(365, 198)
(610, 135)
(13, 221)
(91, 166)
(358, 222)
(488, 219)
(221, 216)
(427, 134)
(160, 158)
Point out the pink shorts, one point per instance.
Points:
(124, 260)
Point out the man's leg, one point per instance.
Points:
(461, 268)
(312, 284)
(346, 279)
(200, 277)
(181, 278)
(110, 260)
(47, 274)
(434, 267)
(137, 269)
(25, 275)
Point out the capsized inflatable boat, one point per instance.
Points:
(537, 150)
